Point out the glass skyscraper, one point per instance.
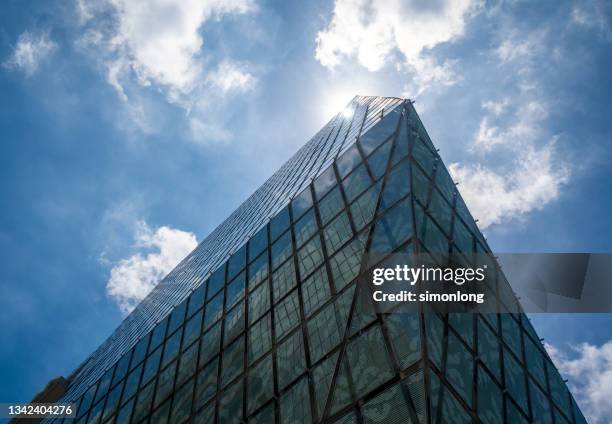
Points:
(258, 324)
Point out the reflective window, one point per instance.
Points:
(295, 404)
(236, 262)
(196, 300)
(206, 384)
(287, 315)
(337, 233)
(283, 280)
(305, 228)
(315, 291)
(258, 242)
(171, 349)
(260, 388)
(233, 361)
(349, 160)
(281, 250)
(279, 223)
(310, 256)
(330, 205)
(290, 358)
(210, 343)
(356, 183)
(324, 182)
(192, 329)
(235, 290)
(258, 270)
(301, 203)
(260, 338)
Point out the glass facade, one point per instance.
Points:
(259, 323)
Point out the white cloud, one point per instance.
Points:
(160, 251)
(376, 31)
(31, 50)
(231, 76)
(589, 372)
(152, 43)
(594, 15)
(529, 179)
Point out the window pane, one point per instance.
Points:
(364, 207)
(305, 228)
(404, 334)
(310, 256)
(295, 404)
(258, 242)
(213, 310)
(210, 343)
(397, 185)
(165, 382)
(140, 351)
(206, 384)
(181, 405)
(187, 364)
(259, 302)
(235, 290)
(279, 223)
(349, 160)
(315, 291)
(301, 203)
(216, 281)
(234, 323)
(192, 329)
(258, 270)
(158, 334)
(151, 366)
(260, 338)
(177, 317)
(330, 205)
(286, 315)
(324, 182)
(236, 262)
(131, 383)
(337, 233)
(283, 280)
(171, 349)
(196, 300)
(281, 250)
(290, 359)
(232, 362)
(379, 159)
(381, 131)
(356, 183)
(489, 399)
(260, 387)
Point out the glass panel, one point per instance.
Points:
(349, 160)
(104, 385)
(216, 281)
(258, 242)
(260, 338)
(283, 280)
(213, 310)
(310, 256)
(392, 405)
(488, 348)
(337, 233)
(123, 417)
(364, 207)
(459, 368)
(286, 315)
(381, 131)
(230, 404)
(258, 270)
(356, 183)
(295, 404)
(260, 387)
(210, 343)
(151, 366)
(324, 182)
(236, 262)
(330, 205)
(234, 323)
(440, 211)
(397, 185)
(192, 329)
(165, 382)
(160, 416)
(379, 160)
(322, 376)
(290, 359)
(112, 401)
(131, 383)
(444, 407)
(281, 250)
(143, 402)
(158, 334)
(301, 203)
(345, 264)
(305, 228)
(393, 229)
(259, 302)
(187, 364)
(279, 223)
(235, 290)
(315, 291)
(122, 367)
(196, 300)
(404, 334)
(423, 156)
(535, 361)
(172, 347)
(489, 399)
(368, 361)
(177, 316)
(206, 383)
(140, 351)
(540, 405)
(181, 405)
(511, 333)
(445, 183)
(233, 361)
(515, 380)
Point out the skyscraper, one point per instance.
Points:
(259, 322)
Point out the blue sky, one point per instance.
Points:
(130, 131)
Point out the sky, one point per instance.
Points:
(131, 129)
